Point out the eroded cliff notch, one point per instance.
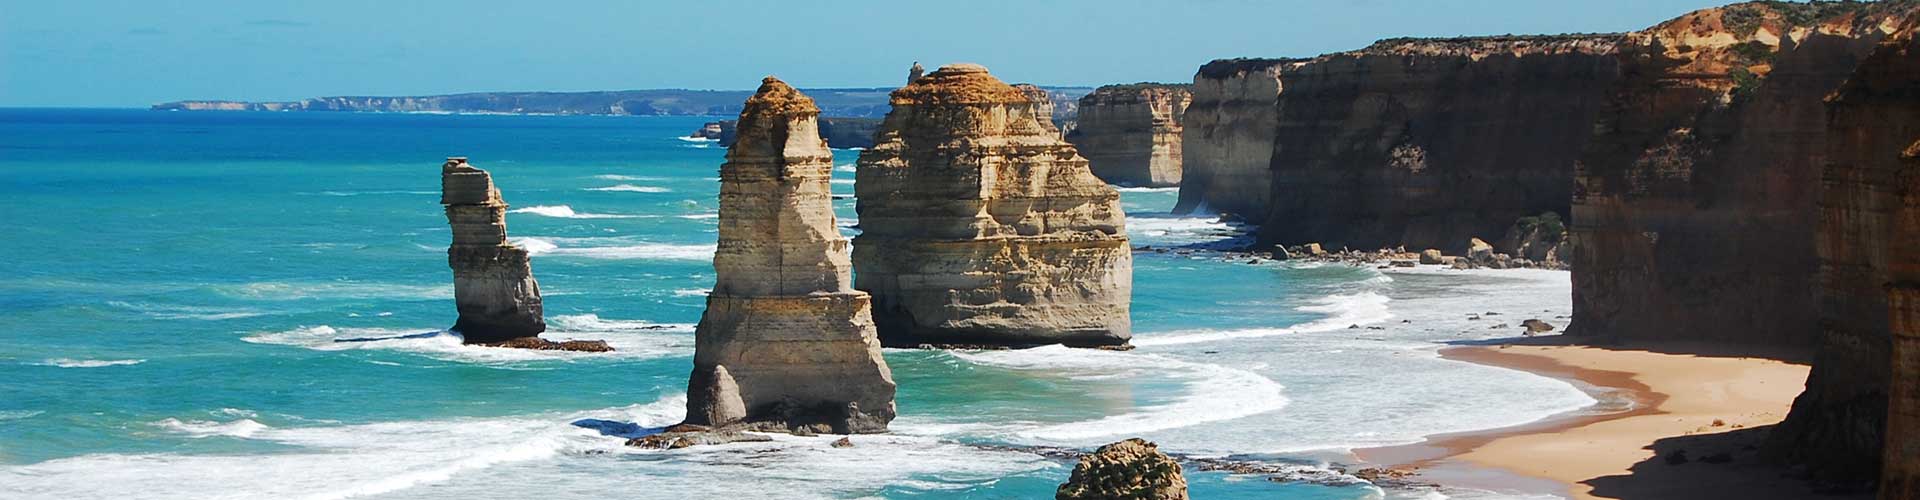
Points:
(786, 343)
(979, 225)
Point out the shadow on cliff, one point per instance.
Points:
(1718, 465)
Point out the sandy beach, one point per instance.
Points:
(1656, 405)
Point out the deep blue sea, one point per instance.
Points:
(175, 287)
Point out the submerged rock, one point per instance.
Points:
(786, 343)
(493, 284)
(980, 226)
(1130, 469)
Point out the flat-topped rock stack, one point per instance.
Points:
(493, 282)
(786, 343)
(979, 225)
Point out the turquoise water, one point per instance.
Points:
(177, 286)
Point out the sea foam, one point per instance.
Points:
(613, 248)
(89, 363)
(1341, 311)
(630, 188)
(566, 212)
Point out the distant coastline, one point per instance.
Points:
(835, 102)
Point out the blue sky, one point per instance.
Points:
(135, 53)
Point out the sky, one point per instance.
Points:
(107, 53)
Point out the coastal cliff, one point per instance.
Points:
(1130, 134)
(1869, 333)
(1226, 136)
(979, 225)
(785, 342)
(1694, 208)
(1429, 143)
(493, 284)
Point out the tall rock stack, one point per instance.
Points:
(980, 226)
(1130, 134)
(786, 342)
(1227, 136)
(493, 282)
(1869, 249)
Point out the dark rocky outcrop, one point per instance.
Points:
(1694, 209)
(1130, 134)
(1427, 143)
(979, 225)
(1130, 469)
(493, 284)
(786, 343)
(1226, 136)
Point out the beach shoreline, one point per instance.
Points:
(1654, 400)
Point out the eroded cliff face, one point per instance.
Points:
(1226, 136)
(1429, 143)
(1130, 134)
(1869, 230)
(493, 284)
(786, 342)
(979, 225)
(1694, 209)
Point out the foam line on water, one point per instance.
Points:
(1341, 311)
(89, 363)
(1131, 189)
(163, 311)
(566, 212)
(630, 188)
(352, 461)
(613, 249)
(631, 339)
(1213, 392)
(294, 290)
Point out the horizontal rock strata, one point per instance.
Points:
(786, 343)
(1130, 134)
(980, 226)
(1227, 136)
(1868, 231)
(1428, 143)
(493, 284)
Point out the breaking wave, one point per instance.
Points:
(1341, 311)
(629, 188)
(89, 363)
(621, 249)
(566, 212)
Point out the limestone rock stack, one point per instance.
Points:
(1226, 136)
(1043, 104)
(1131, 133)
(786, 342)
(1130, 469)
(980, 226)
(493, 284)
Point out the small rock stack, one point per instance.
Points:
(980, 226)
(786, 343)
(493, 283)
(1130, 469)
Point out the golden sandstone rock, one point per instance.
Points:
(493, 282)
(786, 343)
(979, 225)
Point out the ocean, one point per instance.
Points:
(250, 304)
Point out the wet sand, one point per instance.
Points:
(1656, 401)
